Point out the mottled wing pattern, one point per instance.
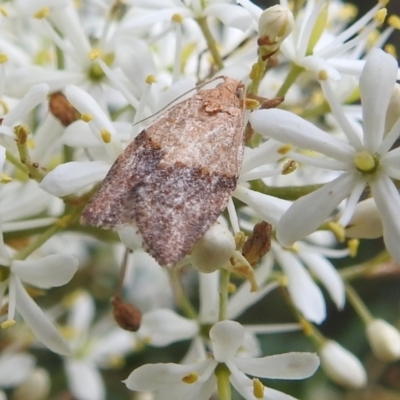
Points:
(176, 178)
(107, 208)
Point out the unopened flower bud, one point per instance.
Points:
(384, 340)
(274, 25)
(35, 387)
(130, 237)
(213, 250)
(341, 366)
(365, 223)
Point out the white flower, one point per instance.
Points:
(162, 326)
(313, 46)
(35, 387)
(46, 272)
(365, 159)
(197, 381)
(93, 347)
(226, 11)
(384, 340)
(342, 366)
(15, 368)
(304, 292)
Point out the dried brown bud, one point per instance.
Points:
(258, 243)
(126, 315)
(63, 110)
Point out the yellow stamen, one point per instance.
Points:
(5, 178)
(8, 324)
(323, 75)
(348, 11)
(3, 12)
(394, 21)
(285, 148)
(150, 79)
(380, 16)
(352, 245)
(106, 136)
(86, 117)
(94, 54)
(231, 288)
(338, 230)
(42, 13)
(390, 49)
(3, 58)
(191, 378)
(178, 18)
(258, 389)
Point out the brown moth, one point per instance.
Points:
(175, 179)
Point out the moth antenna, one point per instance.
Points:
(199, 86)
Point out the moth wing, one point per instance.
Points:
(172, 217)
(107, 208)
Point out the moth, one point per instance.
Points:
(175, 179)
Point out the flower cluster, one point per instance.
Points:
(79, 82)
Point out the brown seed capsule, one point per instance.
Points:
(62, 109)
(258, 244)
(126, 315)
(174, 180)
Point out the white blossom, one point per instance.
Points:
(365, 159)
(197, 381)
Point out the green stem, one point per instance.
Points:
(365, 269)
(256, 75)
(212, 46)
(60, 225)
(223, 294)
(358, 305)
(21, 132)
(284, 192)
(224, 387)
(17, 163)
(291, 78)
(180, 297)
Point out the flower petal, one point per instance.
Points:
(376, 87)
(46, 272)
(14, 368)
(231, 15)
(41, 326)
(287, 127)
(73, 176)
(310, 211)
(387, 200)
(162, 327)
(327, 274)
(84, 380)
(168, 380)
(304, 292)
(281, 366)
(269, 208)
(35, 96)
(227, 337)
